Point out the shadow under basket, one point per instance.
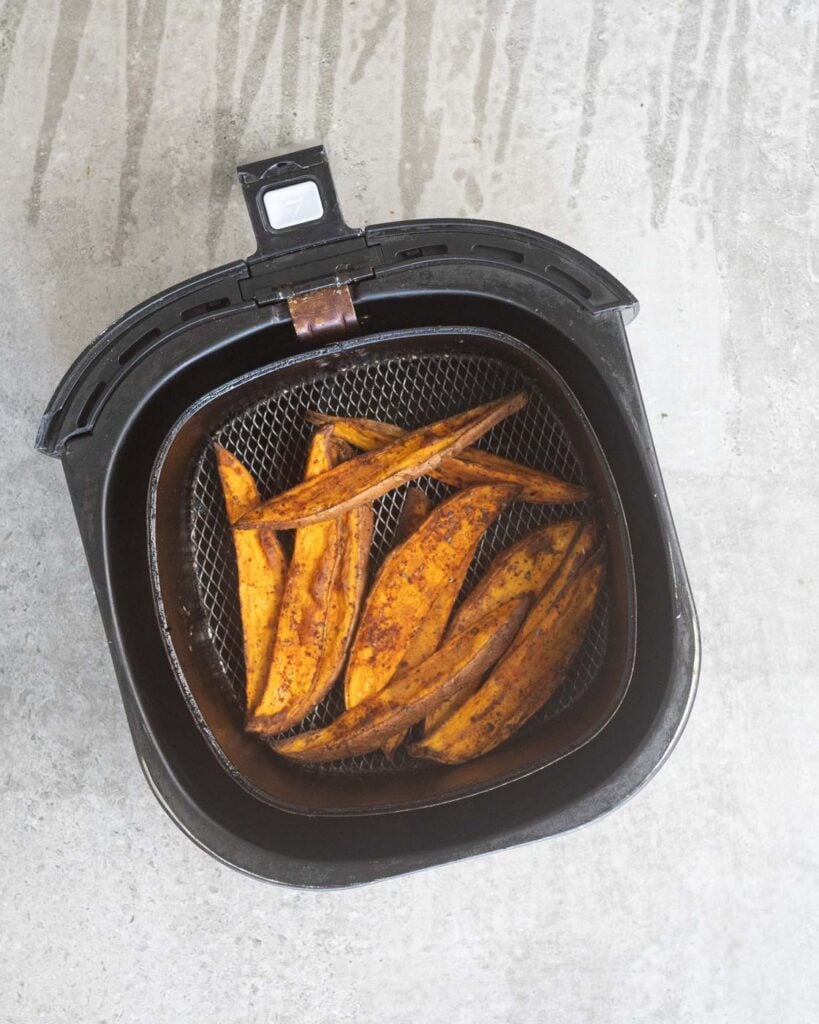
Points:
(448, 314)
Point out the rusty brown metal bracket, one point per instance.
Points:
(324, 313)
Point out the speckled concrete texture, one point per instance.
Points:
(674, 142)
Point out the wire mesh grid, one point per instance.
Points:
(271, 438)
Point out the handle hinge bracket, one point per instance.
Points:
(325, 313)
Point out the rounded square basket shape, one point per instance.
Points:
(410, 378)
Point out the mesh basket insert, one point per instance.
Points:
(271, 438)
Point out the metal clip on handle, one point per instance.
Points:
(292, 202)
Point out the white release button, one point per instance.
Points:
(293, 204)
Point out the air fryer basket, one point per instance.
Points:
(411, 377)
(132, 423)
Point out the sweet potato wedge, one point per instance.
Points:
(413, 512)
(524, 679)
(581, 556)
(356, 529)
(409, 581)
(471, 466)
(294, 677)
(409, 696)
(524, 568)
(367, 476)
(262, 569)
(428, 635)
(238, 486)
(430, 631)
(529, 566)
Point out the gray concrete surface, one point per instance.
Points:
(674, 142)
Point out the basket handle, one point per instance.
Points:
(292, 202)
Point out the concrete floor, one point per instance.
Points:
(674, 142)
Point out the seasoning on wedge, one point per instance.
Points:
(413, 512)
(368, 476)
(430, 631)
(412, 694)
(295, 678)
(469, 467)
(540, 563)
(525, 568)
(262, 569)
(356, 529)
(524, 679)
(410, 580)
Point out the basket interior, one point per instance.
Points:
(271, 437)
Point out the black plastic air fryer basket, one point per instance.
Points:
(407, 322)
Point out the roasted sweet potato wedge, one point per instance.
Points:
(585, 552)
(430, 631)
(410, 695)
(409, 581)
(413, 512)
(471, 466)
(366, 477)
(546, 557)
(238, 486)
(524, 568)
(295, 675)
(524, 679)
(356, 529)
(262, 569)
